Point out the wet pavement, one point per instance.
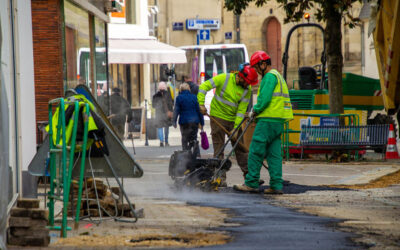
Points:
(268, 227)
(261, 225)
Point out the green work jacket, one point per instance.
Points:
(280, 106)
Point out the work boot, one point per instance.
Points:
(244, 188)
(161, 144)
(273, 191)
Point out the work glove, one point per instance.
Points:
(252, 114)
(203, 109)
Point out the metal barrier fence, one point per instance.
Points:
(344, 137)
(368, 135)
(351, 119)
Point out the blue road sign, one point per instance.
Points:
(204, 34)
(177, 26)
(329, 121)
(228, 35)
(198, 24)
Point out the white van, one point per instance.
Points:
(204, 61)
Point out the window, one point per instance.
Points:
(186, 69)
(77, 45)
(101, 55)
(228, 59)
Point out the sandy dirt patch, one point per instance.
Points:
(166, 224)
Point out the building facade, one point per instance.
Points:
(69, 45)
(259, 29)
(17, 103)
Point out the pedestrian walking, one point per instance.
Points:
(194, 88)
(228, 107)
(120, 112)
(272, 110)
(163, 104)
(190, 119)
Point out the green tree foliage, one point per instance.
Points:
(332, 12)
(295, 9)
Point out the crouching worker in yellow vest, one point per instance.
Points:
(272, 110)
(228, 107)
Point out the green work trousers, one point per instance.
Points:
(266, 143)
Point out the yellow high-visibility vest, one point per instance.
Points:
(280, 105)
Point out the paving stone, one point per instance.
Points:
(34, 213)
(35, 232)
(28, 240)
(26, 222)
(28, 203)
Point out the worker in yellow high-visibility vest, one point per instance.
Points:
(272, 110)
(228, 107)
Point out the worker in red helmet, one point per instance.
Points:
(272, 110)
(228, 107)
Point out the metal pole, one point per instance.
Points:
(237, 28)
(145, 122)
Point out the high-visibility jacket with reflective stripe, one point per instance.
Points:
(280, 105)
(69, 124)
(230, 100)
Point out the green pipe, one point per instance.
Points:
(68, 171)
(85, 137)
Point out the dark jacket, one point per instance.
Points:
(120, 108)
(187, 108)
(194, 88)
(162, 102)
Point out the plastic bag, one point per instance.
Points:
(204, 140)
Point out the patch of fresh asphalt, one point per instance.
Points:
(262, 226)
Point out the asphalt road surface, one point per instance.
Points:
(262, 225)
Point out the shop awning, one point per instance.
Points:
(132, 51)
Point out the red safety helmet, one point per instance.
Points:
(249, 75)
(258, 56)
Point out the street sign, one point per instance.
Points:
(177, 26)
(204, 34)
(198, 24)
(329, 121)
(228, 35)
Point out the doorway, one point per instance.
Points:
(272, 41)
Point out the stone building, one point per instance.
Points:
(259, 29)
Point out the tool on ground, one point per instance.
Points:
(189, 171)
(244, 147)
(216, 178)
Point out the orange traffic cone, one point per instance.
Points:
(391, 147)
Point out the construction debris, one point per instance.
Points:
(110, 200)
(27, 224)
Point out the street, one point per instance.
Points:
(311, 214)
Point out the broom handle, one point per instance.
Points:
(244, 147)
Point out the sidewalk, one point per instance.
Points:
(174, 137)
